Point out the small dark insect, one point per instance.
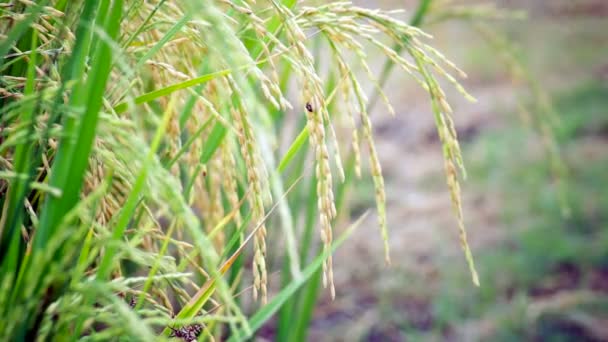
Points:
(187, 333)
(309, 107)
(132, 302)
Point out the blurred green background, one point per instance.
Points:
(544, 275)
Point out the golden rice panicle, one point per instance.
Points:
(341, 33)
(256, 199)
(269, 86)
(422, 54)
(111, 202)
(317, 116)
(43, 24)
(315, 87)
(348, 100)
(370, 75)
(456, 153)
(454, 186)
(93, 179)
(256, 203)
(273, 84)
(451, 153)
(325, 202)
(376, 169)
(446, 128)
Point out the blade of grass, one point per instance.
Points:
(213, 142)
(286, 325)
(170, 34)
(13, 210)
(266, 312)
(293, 149)
(204, 293)
(153, 95)
(73, 153)
(143, 25)
(308, 299)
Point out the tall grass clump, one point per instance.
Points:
(141, 153)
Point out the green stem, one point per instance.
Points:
(417, 19)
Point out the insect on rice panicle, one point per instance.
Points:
(309, 107)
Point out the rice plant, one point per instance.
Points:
(540, 115)
(144, 183)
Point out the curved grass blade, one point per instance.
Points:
(153, 95)
(265, 313)
(213, 142)
(73, 154)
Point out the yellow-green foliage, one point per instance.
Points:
(141, 150)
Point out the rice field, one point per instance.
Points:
(195, 170)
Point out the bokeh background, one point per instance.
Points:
(544, 270)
